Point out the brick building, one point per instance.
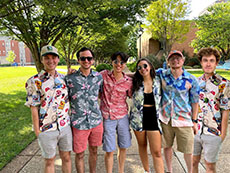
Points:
(22, 53)
(147, 45)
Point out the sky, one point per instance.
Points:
(197, 6)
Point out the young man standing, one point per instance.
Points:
(47, 97)
(117, 86)
(84, 86)
(213, 114)
(179, 107)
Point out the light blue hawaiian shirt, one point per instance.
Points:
(83, 96)
(177, 97)
(136, 110)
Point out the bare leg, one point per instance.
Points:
(49, 165)
(142, 147)
(188, 161)
(79, 162)
(196, 161)
(66, 161)
(92, 159)
(154, 138)
(109, 162)
(210, 167)
(121, 159)
(168, 158)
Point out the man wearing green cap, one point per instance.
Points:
(47, 97)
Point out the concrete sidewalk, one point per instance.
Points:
(30, 160)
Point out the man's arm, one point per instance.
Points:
(194, 116)
(35, 119)
(224, 123)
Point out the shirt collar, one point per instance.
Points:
(125, 77)
(45, 74)
(92, 73)
(185, 74)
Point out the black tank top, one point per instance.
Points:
(149, 99)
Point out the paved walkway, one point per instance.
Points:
(30, 160)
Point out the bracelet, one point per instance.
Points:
(194, 121)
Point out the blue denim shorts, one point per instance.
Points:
(49, 140)
(210, 144)
(119, 127)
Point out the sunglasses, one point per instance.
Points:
(139, 67)
(89, 58)
(116, 62)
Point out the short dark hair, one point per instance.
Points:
(207, 52)
(123, 56)
(82, 50)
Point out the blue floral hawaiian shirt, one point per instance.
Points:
(83, 96)
(177, 97)
(136, 110)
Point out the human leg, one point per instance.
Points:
(197, 153)
(79, 162)
(188, 161)
(154, 138)
(210, 167)
(196, 161)
(142, 147)
(168, 158)
(109, 162)
(124, 141)
(92, 159)
(49, 165)
(66, 161)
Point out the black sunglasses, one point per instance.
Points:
(116, 62)
(139, 67)
(89, 58)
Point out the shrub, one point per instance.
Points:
(132, 66)
(103, 66)
(193, 61)
(196, 66)
(5, 65)
(188, 67)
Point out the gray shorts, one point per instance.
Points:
(49, 140)
(210, 144)
(119, 127)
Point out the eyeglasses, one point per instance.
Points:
(139, 67)
(116, 62)
(89, 58)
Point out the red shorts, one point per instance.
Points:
(82, 137)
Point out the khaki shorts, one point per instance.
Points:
(184, 137)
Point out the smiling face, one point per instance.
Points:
(209, 64)
(50, 62)
(84, 60)
(118, 65)
(176, 61)
(144, 68)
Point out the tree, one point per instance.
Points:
(45, 21)
(214, 29)
(11, 56)
(166, 22)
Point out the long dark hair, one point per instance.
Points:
(138, 79)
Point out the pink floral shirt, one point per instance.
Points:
(50, 95)
(114, 95)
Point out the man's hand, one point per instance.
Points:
(195, 129)
(37, 132)
(71, 71)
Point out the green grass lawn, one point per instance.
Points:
(15, 118)
(224, 73)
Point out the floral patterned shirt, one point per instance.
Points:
(177, 97)
(83, 96)
(50, 95)
(214, 97)
(114, 94)
(136, 110)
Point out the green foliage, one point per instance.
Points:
(132, 66)
(214, 29)
(197, 66)
(193, 61)
(103, 66)
(165, 21)
(11, 56)
(157, 62)
(188, 67)
(16, 124)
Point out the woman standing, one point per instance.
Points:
(143, 114)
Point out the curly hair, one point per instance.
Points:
(208, 52)
(138, 78)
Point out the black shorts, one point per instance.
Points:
(150, 119)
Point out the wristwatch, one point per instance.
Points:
(194, 121)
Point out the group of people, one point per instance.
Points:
(88, 108)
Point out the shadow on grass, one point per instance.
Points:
(15, 129)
